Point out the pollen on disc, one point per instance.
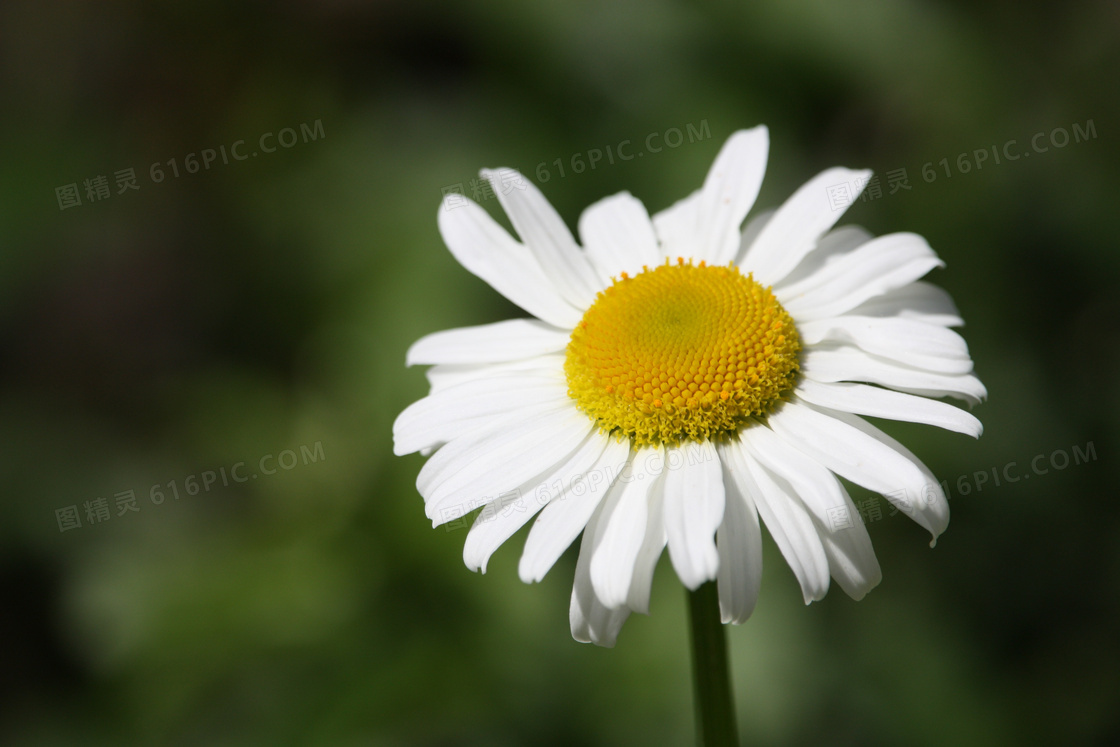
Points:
(681, 351)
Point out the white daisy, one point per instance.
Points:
(682, 377)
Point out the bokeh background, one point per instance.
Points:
(262, 307)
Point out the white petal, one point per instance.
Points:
(501, 518)
(917, 344)
(920, 301)
(473, 469)
(832, 439)
(442, 376)
(833, 245)
(879, 266)
(486, 250)
(571, 504)
(797, 225)
(621, 532)
(694, 501)
(924, 501)
(829, 365)
(435, 433)
(876, 402)
(591, 621)
(739, 540)
(456, 410)
(789, 523)
(512, 339)
(618, 235)
(851, 558)
(652, 545)
(543, 230)
(676, 227)
(728, 194)
(751, 231)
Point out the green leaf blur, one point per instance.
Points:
(260, 303)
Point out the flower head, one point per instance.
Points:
(682, 377)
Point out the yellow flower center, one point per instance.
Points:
(681, 351)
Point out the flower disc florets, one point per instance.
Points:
(681, 351)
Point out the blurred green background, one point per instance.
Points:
(262, 307)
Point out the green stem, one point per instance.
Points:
(711, 677)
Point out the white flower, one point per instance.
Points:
(682, 377)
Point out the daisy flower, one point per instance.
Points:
(682, 377)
